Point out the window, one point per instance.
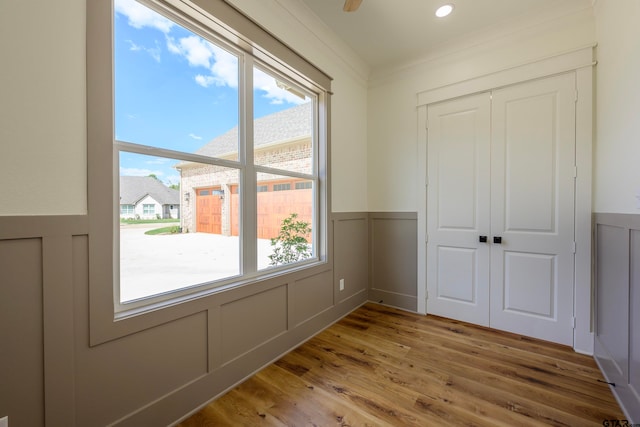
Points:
(281, 187)
(126, 211)
(216, 125)
(148, 209)
(304, 185)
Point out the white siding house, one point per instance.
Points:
(145, 197)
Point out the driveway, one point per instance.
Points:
(153, 264)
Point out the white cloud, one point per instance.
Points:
(140, 16)
(133, 47)
(225, 68)
(267, 84)
(154, 52)
(194, 136)
(196, 50)
(222, 66)
(157, 161)
(205, 81)
(139, 172)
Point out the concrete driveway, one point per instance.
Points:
(153, 264)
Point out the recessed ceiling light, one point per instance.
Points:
(443, 11)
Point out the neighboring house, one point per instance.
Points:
(211, 194)
(145, 197)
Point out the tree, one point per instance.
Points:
(291, 244)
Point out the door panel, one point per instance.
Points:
(456, 274)
(457, 180)
(524, 272)
(529, 163)
(532, 208)
(458, 209)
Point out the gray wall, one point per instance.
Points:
(50, 373)
(617, 313)
(393, 259)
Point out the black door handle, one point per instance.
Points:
(497, 239)
(483, 239)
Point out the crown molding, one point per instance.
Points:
(326, 37)
(526, 26)
(285, 17)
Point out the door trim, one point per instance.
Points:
(544, 67)
(581, 63)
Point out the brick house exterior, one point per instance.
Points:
(282, 140)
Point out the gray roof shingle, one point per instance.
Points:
(285, 125)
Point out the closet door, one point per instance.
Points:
(458, 203)
(532, 208)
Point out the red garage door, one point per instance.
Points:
(208, 210)
(276, 200)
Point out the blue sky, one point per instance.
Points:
(175, 90)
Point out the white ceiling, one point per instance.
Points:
(388, 32)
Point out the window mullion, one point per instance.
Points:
(248, 210)
(173, 154)
(284, 172)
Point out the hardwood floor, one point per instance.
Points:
(382, 366)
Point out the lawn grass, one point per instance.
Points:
(164, 230)
(148, 221)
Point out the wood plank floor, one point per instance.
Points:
(382, 366)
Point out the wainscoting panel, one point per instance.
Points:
(351, 249)
(51, 375)
(393, 259)
(634, 320)
(310, 296)
(139, 368)
(612, 293)
(249, 322)
(21, 332)
(617, 314)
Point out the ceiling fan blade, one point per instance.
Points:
(351, 5)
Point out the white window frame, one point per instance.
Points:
(127, 209)
(148, 209)
(108, 319)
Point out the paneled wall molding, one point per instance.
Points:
(624, 220)
(170, 408)
(350, 230)
(157, 375)
(55, 234)
(58, 322)
(393, 262)
(617, 306)
(374, 254)
(26, 227)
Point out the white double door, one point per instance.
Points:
(501, 167)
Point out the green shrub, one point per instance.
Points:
(291, 244)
